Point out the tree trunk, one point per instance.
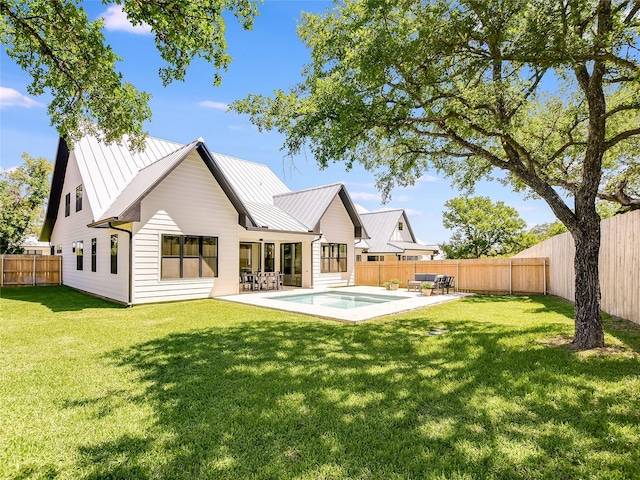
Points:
(589, 330)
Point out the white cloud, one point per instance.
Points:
(13, 98)
(8, 170)
(365, 196)
(402, 198)
(238, 128)
(428, 179)
(116, 19)
(214, 105)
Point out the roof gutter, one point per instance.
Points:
(111, 226)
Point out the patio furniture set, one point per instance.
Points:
(440, 282)
(254, 281)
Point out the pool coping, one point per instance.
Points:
(407, 300)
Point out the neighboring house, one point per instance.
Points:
(391, 238)
(32, 246)
(179, 222)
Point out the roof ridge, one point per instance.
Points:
(310, 189)
(182, 147)
(384, 211)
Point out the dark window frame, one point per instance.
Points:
(113, 253)
(94, 254)
(67, 204)
(333, 257)
(79, 192)
(184, 241)
(80, 255)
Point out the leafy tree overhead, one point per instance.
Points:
(65, 53)
(547, 91)
(23, 192)
(481, 228)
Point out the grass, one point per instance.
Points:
(480, 388)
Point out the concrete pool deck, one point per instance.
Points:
(406, 300)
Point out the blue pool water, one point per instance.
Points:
(338, 299)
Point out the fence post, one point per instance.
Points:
(510, 277)
(2, 276)
(34, 271)
(458, 275)
(544, 275)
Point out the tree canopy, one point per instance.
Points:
(23, 192)
(65, 53)
(481, 228)
(547, 91)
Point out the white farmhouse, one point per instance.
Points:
(177, 222)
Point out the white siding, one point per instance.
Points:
(336, 227)
(74, 229)
(188, 202)
(403, 235)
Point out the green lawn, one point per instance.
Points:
(209, 389)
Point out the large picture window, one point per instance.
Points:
(333, 258)
(187, 256)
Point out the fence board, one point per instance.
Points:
(496, 275)
(20, 270)
(619, 265)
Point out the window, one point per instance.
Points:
(358, 258)
(333, 257)
(59, 249)
(186, 256)
(375, 258)
(114, 254)
(79, 198)
(400, 226)
(79, 255)
(67, 205)
(94, 254)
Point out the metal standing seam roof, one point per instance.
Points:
(309, 205)
(145, 180)
(107, 169)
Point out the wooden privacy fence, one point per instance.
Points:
(31, 270)
(486, 275)
(619, 265)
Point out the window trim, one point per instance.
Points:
(113, 247)
(80, 255)
(94, 254)
(79, 194)
(332, 259)
(181, 256)
(67, 204)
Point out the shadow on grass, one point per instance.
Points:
(378, 400)
(57, 298)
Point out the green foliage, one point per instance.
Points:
(65, 53)
(481, 228)
(215, 390)
(23, 192)
(466, 87)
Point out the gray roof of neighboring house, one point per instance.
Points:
(381, 225)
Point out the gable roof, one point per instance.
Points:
(310, 205)
(381, 225)
(116, 180)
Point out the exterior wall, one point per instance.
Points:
(188, 202)
(74, 229)
(403, 235)
(336, 227)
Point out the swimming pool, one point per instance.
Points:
(339, 299)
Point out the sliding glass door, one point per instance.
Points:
(291, 263)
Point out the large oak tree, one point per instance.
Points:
(547, 90)
(65, 54)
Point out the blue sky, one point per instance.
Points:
(268, 57)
